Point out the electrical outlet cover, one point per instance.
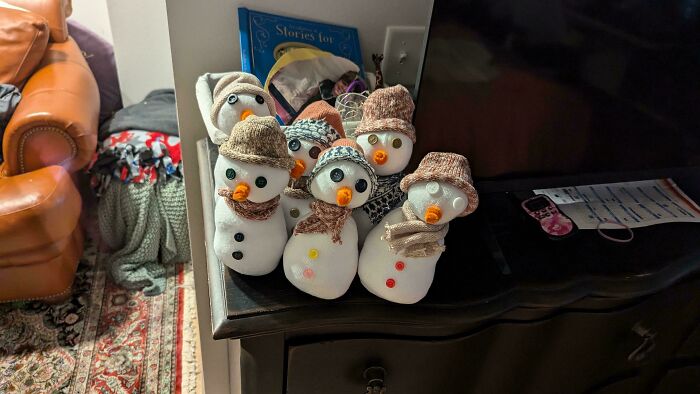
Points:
(403, 51)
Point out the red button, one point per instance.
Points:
(400, 265)
(390, 283)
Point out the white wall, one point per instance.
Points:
(203, 37)
(93, 15)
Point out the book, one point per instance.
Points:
(265, 37)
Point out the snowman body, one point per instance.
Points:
(388, 152)
(294, 210)
(248, 246)
(392, 276)
(305, 154)
(317, 266)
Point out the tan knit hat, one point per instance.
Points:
(445, 167)
(258, 140)
(319, 123)
(238, 82)
(388, 109)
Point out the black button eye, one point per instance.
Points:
(372, 139)
(294, 145)
(396, 143)
(230, 173)
(337, 175)
(260, 182)
(314, 152)
(260, 99)
(232, 99)
(361, 185)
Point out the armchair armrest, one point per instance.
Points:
(56, 121)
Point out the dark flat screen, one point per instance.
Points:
(538, 88)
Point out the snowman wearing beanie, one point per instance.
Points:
(387, 136)
(235, 97)
(322, 254)
(250, 234)
(398, 259)
(314, 130)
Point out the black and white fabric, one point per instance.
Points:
(338, 153)
(314, 130)
(387, 197)
(9, 98)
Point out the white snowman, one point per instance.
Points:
(387, 137)
(250, 234)
(322, 254)
(398, 259)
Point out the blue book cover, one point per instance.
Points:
(264, 38)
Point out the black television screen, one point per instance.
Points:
(548, 88)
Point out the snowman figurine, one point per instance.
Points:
(236, 96)
(322, 254)
(250, 234)
(398, 259)
(314, 130)
(387, 136)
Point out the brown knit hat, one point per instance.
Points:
(258, 140)
(238, 82)
(388, 109)
(445, 167)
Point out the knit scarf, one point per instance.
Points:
(298, 189)
(248, 209)
(413, 237)
(387, 197)
(324, 218)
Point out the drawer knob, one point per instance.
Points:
(375, 380)
(648, 344)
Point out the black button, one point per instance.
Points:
(361, 185)
(260, 99)
(396, 143)
(232, 99)
(239, 237)
(260, 182)
(314, 152)
(337, 175)
(294, 145)
(237, 255)
(294, 212)
(230, 173)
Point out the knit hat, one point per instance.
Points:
(388, 109)
(445, 167)
(239, 83)
(258, 140)
(319, 123)
(345, 149)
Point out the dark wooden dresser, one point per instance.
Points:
(509, 312)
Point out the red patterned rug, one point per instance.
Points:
(105, 339)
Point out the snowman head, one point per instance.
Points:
(316, 128)
(255, 160)
(385, 131)
(252, 182)
(441, 188)
(388, 152)
(237, 96)
(342, 176)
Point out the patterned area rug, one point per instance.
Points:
(105, 339)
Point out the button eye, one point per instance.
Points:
(230, 173)
(396, 143)
(372, 139)
(361, 185)
(259, 99)
(314, 152)
(260, 182)
(337, 175)
(294, 145)
(232, 99)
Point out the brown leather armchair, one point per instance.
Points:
(51, 135)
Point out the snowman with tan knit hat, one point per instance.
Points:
(250, 234)
(399, 256)
(387, 137)
(314, 130)
(322, 254)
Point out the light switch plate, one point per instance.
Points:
(403, 47)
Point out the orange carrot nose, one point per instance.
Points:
(380, 156)
(433, 214)
(241, 192)
(246, 113)
(343, 196)
(299, 168)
